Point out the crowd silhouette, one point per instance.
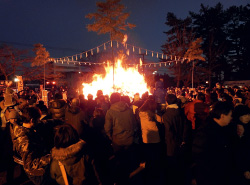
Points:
(176, 136)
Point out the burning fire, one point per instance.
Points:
(126, 81)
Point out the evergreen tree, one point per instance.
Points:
(179, 37)
(209, 24)
(238, 28)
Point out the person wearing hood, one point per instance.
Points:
(75, 116)
(121, 127)
(70, 162)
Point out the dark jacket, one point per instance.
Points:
(242, 150)
(76, 117)
(212, 154)
(159, 95)
(176, 129)
(120, 124)
(57, 108)
(76, 163)
(32, 145)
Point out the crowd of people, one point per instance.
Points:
(176, 136)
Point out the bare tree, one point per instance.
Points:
(12, 61)
(110, 18)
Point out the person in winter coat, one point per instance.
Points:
(120, 124)
(152, 145)
(121, 127)
(76, 117)
(100, 146)
(8, 105)
(149, 120)
(159, 95)
(90, 106)
(177, 134)
(70, 152)
(212, 148)
(57, 107)
(31, 142)
(197, 111)
(241, 119)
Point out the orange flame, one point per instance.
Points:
(126, 81)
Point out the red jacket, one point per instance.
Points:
(196, 109)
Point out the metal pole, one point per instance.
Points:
(193, 76)
(44, 75)
(113, 66)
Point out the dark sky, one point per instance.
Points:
(60, 25)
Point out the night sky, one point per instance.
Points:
(60, 25)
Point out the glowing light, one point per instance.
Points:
(126, 81)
